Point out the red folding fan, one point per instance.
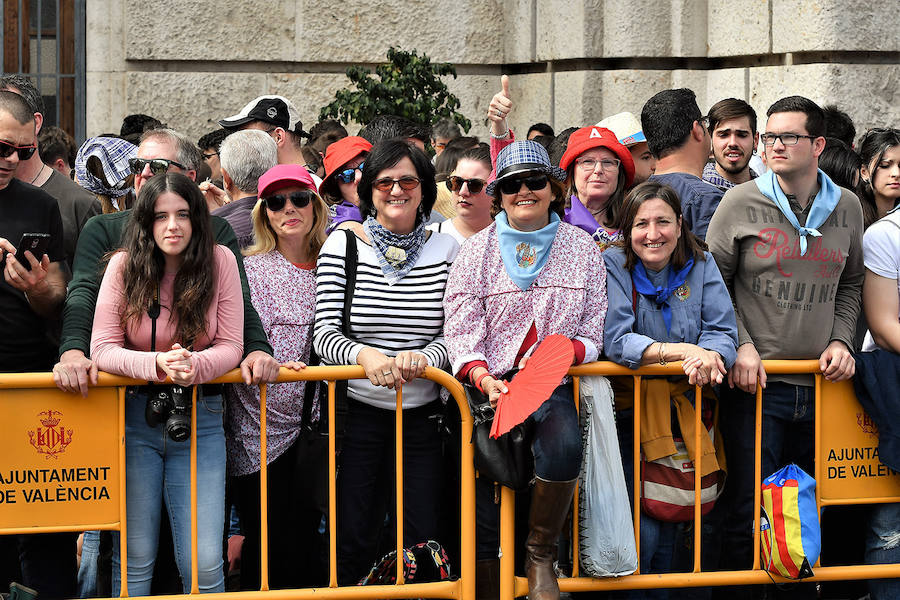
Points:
(535, 383)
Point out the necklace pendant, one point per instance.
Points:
(395, 255)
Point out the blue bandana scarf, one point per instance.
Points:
(525, 253)
(825, 201)
(396, 253)
(660, 295)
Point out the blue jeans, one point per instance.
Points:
(788, 436)
(90, 565)
(158, 470)
(557, 457)
(883, 546)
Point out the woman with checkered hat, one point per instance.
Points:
(525, 277)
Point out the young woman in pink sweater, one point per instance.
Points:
(170, 305)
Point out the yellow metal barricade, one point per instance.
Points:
(847, 471)
(64, 470)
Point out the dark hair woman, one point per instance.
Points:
(879, 187)
(667, 302)
(527, 276)
(467, 184)
(170, 305)
(395, 331)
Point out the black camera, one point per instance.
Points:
(172, 406)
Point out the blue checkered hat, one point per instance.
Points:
(524, 157)
(113, 154)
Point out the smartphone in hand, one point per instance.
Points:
(36, 243)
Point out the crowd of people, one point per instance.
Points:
(663, 235)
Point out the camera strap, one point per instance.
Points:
(153, 313)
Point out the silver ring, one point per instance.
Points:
(414, 363)
(499, 113)
(386, 374)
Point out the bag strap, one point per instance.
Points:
(351, 261)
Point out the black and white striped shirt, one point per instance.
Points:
(408, 315)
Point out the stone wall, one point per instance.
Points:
(571, 62)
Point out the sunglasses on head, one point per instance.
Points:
(349, 175)
(533, 183)
(454, 184)
(299, 199)
(157, 165)
(24, 152)
(386, 184)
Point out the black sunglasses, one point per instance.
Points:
(299, 199)
(533, 183)
(24, 152)
(454, 184)
(157, 165)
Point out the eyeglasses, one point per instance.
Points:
(299, 199)
(386, 184)
(210, 155)
(704, 121)
(24, 152)
(157, 165)
(454, 184)
(349, 175)
(788, 139)
(607, 164)
(533, 183)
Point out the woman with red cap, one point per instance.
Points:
(598, 170)
(289, 229)
(344, 161)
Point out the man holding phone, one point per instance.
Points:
(31, 297)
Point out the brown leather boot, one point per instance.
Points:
(550, 502)
(487, 579)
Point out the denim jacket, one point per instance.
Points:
(702, 313)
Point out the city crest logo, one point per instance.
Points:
(51, 438)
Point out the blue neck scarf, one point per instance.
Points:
(827, 198)
(525, 253)
(660, 295)
(396, 253)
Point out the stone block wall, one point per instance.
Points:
(572, 62)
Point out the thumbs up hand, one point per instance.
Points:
(500, 106)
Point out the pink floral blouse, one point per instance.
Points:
(488, 316)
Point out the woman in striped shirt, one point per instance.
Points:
(395, 330)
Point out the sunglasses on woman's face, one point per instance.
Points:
(298, 199)
(349, 175)
(386, 184)
(533, 183)
(24, 152)
(157, 165)
(454, 184)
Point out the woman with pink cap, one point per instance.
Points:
(289, 229)
(344, 161)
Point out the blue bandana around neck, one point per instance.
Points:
(827, 198)
(396, 253)
(660, 295)
(525, 253)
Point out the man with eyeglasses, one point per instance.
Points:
(677, 136)
(32, 290)
(245, 157)
(789, 246)
(277, 116)
(76, 205)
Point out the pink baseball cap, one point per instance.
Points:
(282, 176)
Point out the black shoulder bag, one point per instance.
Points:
(508, 460)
